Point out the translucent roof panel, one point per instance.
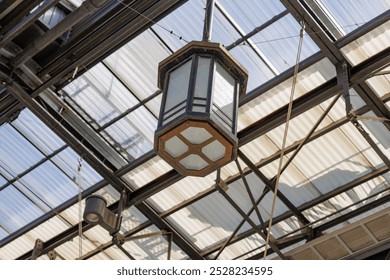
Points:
(50, 184)
(178, 28)
(135, 132)
(275, 98)
(279, 43)
(153, 247)
(16, 210)
(250, 14)
(100, 94)
(351, 14)
(40, 135)
(136, 63)
(68, 161)
(368, 44)
(147, 172)
(17, 154)
(380, 83)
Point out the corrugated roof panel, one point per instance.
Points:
(277, 97)
(97, 235)
(237, 191)
(152, 248)
(242, 247)
(351, 13)
(250, 14)
(50, 184)
(299, 127)
(207, 221)
(100, 94)
(348, 201)
(184, 24)
(49, 229)
(70, 250)
(259, 71)
(135, 132)
(68, 162)
(371, 157)
(187, 22)
(16, 153)
(279, 43)
(112, 253)
(147, 172)
(16, 248)
(72, 213)
(180, 191)
(378, 132)
(380, 83)
(136, 63)
(295, 186)
(368, 45)
(3, 233)
(37, 132)
(331, 161)
(16, 210)
(2, 181)
(25, 243)
(223, 30)
(287, 227)
(260, 148)
(132, 218)
(154, 105)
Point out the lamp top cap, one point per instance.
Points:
(203, 48)
(96, 196)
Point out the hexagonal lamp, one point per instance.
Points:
(197, 128)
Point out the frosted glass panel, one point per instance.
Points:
(178, 86)
(224, 87)
(201, 85)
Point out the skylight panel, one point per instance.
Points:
(16, 210)
(39, 134)
(136, 63)
(68, 161)
(16, 153)
(135, 132)
(100, 94)
(279, 43)
(250, 14)
(50, 184)
(354, 13)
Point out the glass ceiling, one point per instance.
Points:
(336, 172)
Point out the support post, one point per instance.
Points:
(208, 21)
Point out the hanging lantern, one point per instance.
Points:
(197, 128)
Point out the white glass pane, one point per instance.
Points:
(193, 162)
(196, 135)
(214, 151)
(178, 86)
(201, 85)
(223, 96)
(175, 147)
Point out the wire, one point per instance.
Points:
(288, 118)
(296, 36)
(79, 184)
(152, 21)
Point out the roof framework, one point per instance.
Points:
(78, 87)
